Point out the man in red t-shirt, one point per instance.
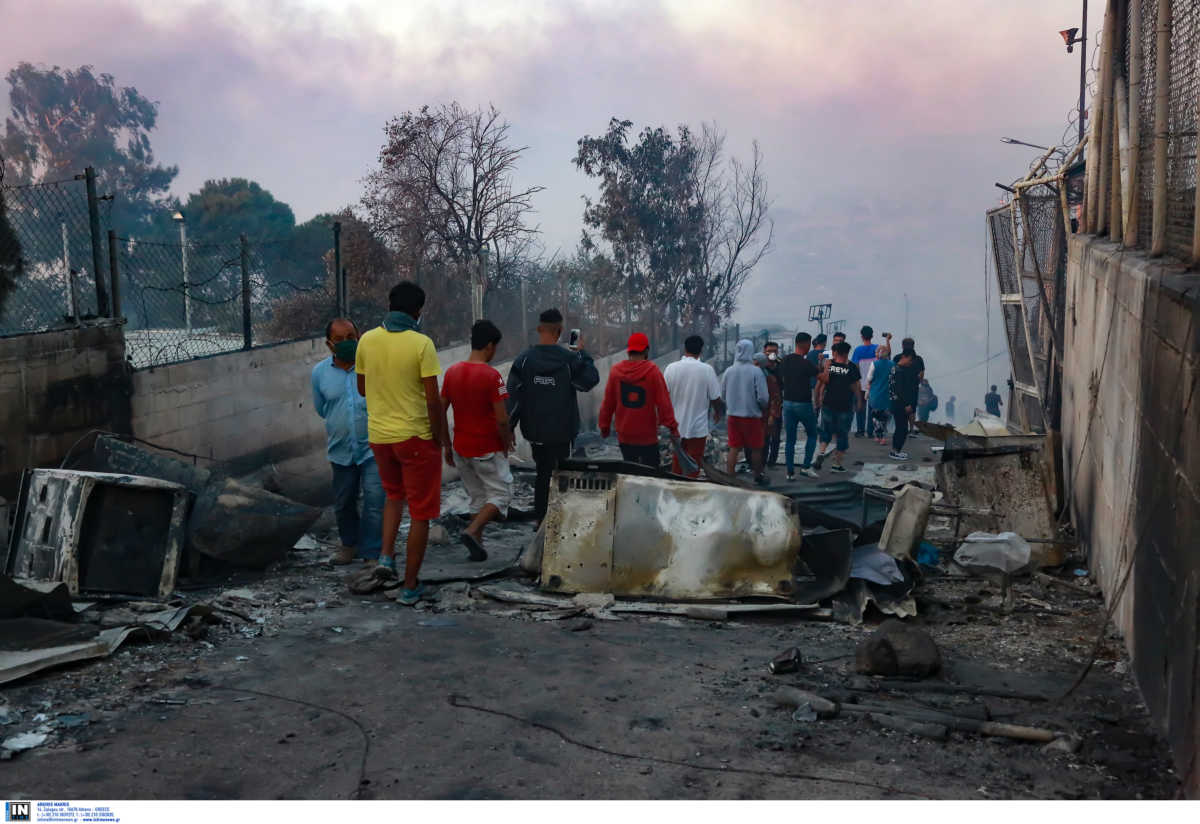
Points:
(482, 435)
(636, 397)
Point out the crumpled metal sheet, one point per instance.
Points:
(661, 538)
(19, 663)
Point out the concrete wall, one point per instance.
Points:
(1131, 441)
(252, 409)
(54, 388)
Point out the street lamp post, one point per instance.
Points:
(187, 296)
(1014, 142)
(1072, 37)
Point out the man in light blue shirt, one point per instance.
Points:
(336, 399)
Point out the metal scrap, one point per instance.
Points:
(608, 531)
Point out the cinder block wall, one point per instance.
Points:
(54, 388)
(250, 408)
(1136, 494)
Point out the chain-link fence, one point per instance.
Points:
(1142, 171)
(1028, 245)
(49, 256)
(188, 300)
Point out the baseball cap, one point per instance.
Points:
(638, 342)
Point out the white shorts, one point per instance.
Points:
(488, 480)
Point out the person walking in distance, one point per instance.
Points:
(406, 424)
(927, 401)
(905, 381)
(775, 415)
(694, 390)
(950, 409)
(637, 397)
(992, 402)
(879, 392)
(772, 416)
(476, 394)
(744, 392)
(337, 402)
(863, 356)
(541, 396)
(797, 373)
(839, 392)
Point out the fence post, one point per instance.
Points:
(114, 273)
(1162, 89)
(339, 275)
(247, 338)
(89, 175)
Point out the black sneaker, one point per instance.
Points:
(837, 468)
(762, 480)
(817, 461)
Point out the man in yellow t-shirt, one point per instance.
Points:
(406, 426)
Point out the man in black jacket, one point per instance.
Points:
(541, 397)
(905, 381)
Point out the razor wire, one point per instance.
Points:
(191, 300)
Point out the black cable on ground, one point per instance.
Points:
(362, 768)
(460, 702)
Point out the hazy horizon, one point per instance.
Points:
(879, 122)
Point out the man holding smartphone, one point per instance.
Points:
(541, 390)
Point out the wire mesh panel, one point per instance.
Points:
(293, 294)
(1033, 411)
(181, 301)
(1181, 146)
(1004, 250)
(1014, 330)
(56, 283)
(1149, 9)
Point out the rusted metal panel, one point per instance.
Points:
(98, 532)
(655, 537)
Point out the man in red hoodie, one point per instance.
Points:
(637, 396)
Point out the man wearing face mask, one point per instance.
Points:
(336, 399)
(775, 410)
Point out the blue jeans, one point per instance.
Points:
(365, 531)
(836, 424)
(794, 414)
(860, 419)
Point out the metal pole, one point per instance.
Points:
(114, 273)
(1162, 88)
(477, 286)
(524, 314)
(1083, 41)
(344, 310)
(340, 297)
(187, 294)
(906, 314)
(247, 337)
(89, 175)
(72, 286)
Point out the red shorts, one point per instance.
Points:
(694, 449)
(412, 471)
(746, 432)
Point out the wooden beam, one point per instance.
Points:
(1120, 165)
(1136, 58)
(1162, 88)
(1094, 208)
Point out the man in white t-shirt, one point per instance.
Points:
(694, 389)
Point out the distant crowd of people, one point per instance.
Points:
(388, 435)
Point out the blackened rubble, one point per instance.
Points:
(294, 632)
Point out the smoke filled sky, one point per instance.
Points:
(880, 121)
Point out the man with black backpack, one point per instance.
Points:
(541, 397)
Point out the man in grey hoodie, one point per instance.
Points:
(744, 391)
